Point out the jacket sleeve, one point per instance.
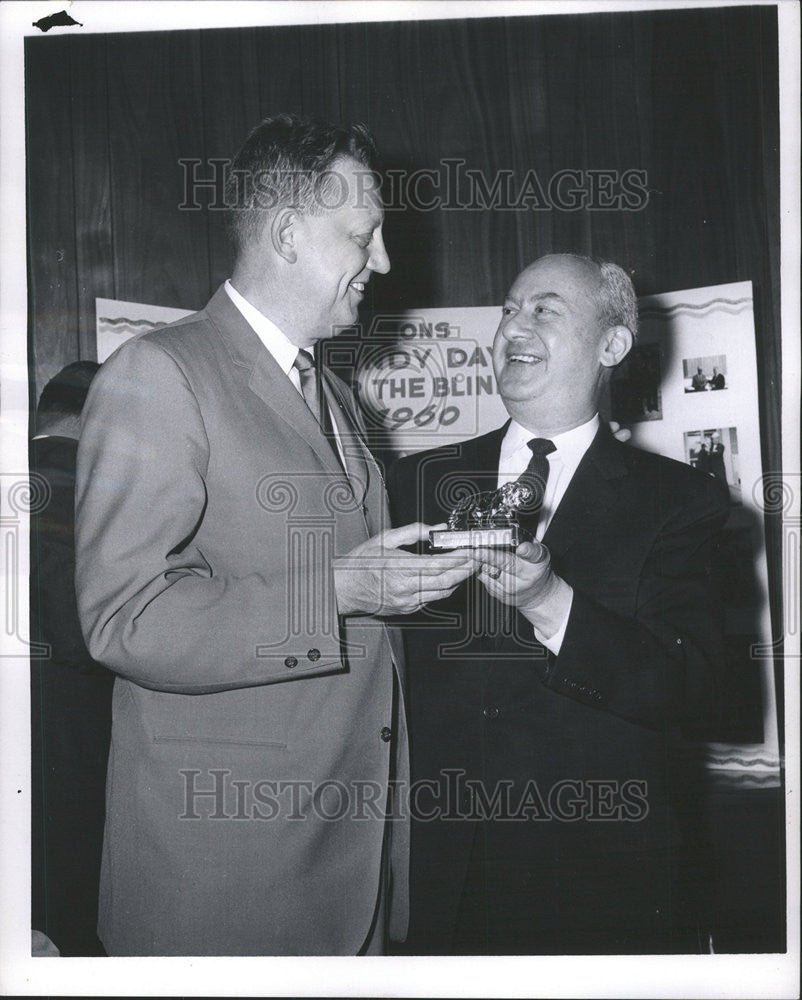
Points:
(661, 666)
(54, 615)
(153, 607)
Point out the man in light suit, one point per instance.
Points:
(234, 568)
(699, 381)
(543, 694)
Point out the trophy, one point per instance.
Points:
(487, 520)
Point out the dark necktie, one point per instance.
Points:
(535, 476)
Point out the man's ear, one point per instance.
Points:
(615, 346)
(283, 232)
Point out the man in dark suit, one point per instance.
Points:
(701, 457)
(716, 461)
(544, 692)
(717, 381)
(70, 693)
(234, 567)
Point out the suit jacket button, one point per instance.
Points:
(491, 712)
(386, 734)
(291, 662)
(313, 655)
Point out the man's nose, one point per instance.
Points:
(379, 260)
(515, 329)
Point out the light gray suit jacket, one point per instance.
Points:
(254, 731)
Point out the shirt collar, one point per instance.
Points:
(570, 445)
(283, 350)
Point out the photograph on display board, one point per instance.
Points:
(705, 374)
(635, 386)
(715, 451)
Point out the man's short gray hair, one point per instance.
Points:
(618, 304)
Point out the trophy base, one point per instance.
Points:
(447, 539)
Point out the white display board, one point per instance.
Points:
(717, 428)
(117, 321)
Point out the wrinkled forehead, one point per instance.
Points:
(575, 281)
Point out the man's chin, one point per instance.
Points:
(519, 385)
(337, 327)
(350, 316)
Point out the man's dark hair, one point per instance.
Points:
(65, 393)
(288, 160)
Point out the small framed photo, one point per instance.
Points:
(715, 451)
(708, 374)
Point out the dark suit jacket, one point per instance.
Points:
(209, 507)
(70, 722)
(716, 466)
(639, 659)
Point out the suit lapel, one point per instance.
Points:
(475, 467)
(478, 459)
(266, 379)
(367, 483)
(276, 391)
(355, 453)
(591, 493)
(589, 496)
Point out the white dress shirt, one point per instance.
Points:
(284, 352)
(570, 447)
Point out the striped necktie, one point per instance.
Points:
(313, 391)
(310, 386)
(321, 401)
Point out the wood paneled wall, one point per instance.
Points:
(689, 96)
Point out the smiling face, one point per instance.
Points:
(551, 347)
(337, 252)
